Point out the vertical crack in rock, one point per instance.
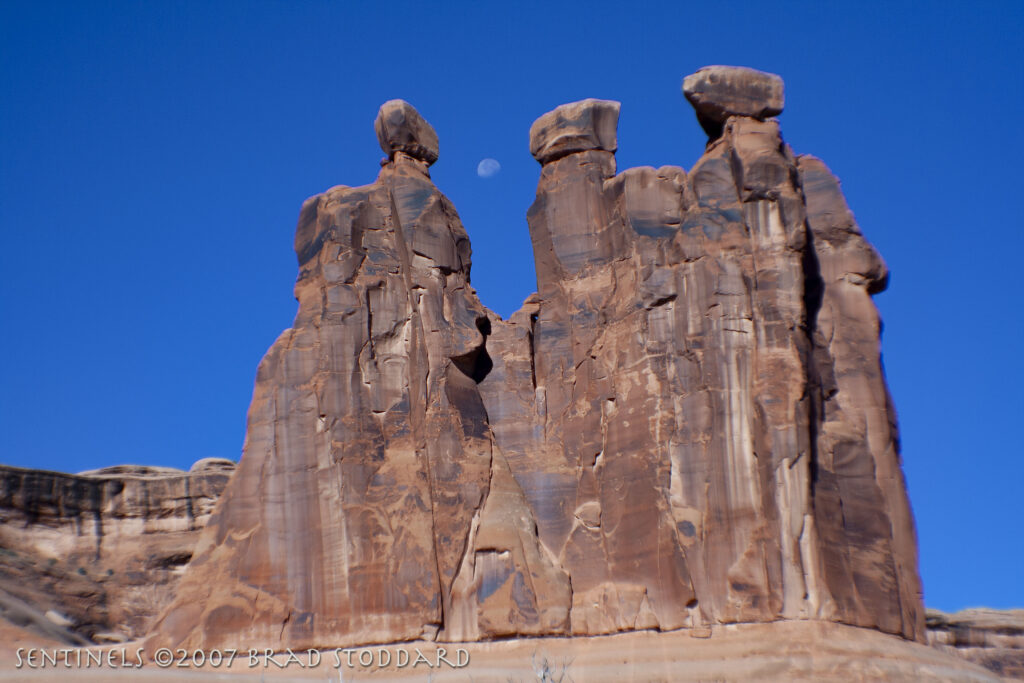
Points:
(686, 425)
(416, 391)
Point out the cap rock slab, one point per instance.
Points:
(718, 92)
(576, 127)
(400, 128)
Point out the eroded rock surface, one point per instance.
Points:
(719, 92)
(704, 432)
(578, 127)
(989, 637)
(400, 128)
(687, 425)
(370, 505)
(97, 555)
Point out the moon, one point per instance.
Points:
(488, 168)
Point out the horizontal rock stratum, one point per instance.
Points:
(99, 552)
(686, 425)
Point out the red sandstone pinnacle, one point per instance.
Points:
(688, 426)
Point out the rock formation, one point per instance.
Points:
(368, 454)
(687, 425)
(992, 638)
(97, 555)
(719, 92)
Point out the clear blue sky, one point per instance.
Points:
(154, 155)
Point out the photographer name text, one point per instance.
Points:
(124, 658)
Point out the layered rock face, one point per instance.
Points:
(992, 638)
(368, 467)
(97, 555)
(710, 434)
(687, 424)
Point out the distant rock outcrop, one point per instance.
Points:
(989, 637)
(97, 555)
(687, 425)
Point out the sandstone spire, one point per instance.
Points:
(686, 425)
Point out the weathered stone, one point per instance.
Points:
(371, 504)
(718, 92)
(674, 354)
(104, 549)
(212, 465)
(400, 128)
(989, 637)
(686, 426)
(576, 127)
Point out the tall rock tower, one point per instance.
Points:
(686, 425)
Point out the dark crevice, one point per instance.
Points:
(190, 511)
(464, 374)
(533, 351)
(170, 561)
(713, 128)
(814, 295)
(484, 325)
(477, 364)
(369, 322)
(814, 285)
(662, 301)
(878, 285)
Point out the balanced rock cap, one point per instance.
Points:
(575, 127)
(400, 128)
(718, 92)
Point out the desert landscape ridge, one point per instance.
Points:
(678, 460)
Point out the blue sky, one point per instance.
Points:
(154, 155)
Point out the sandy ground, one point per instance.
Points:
(785, 651)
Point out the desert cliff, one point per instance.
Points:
(685, 429)
(686, 425)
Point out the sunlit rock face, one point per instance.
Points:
(686, 425)
(370, 505)
(699, 419)
(99, 553)
(992, 638)
(720, 92)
